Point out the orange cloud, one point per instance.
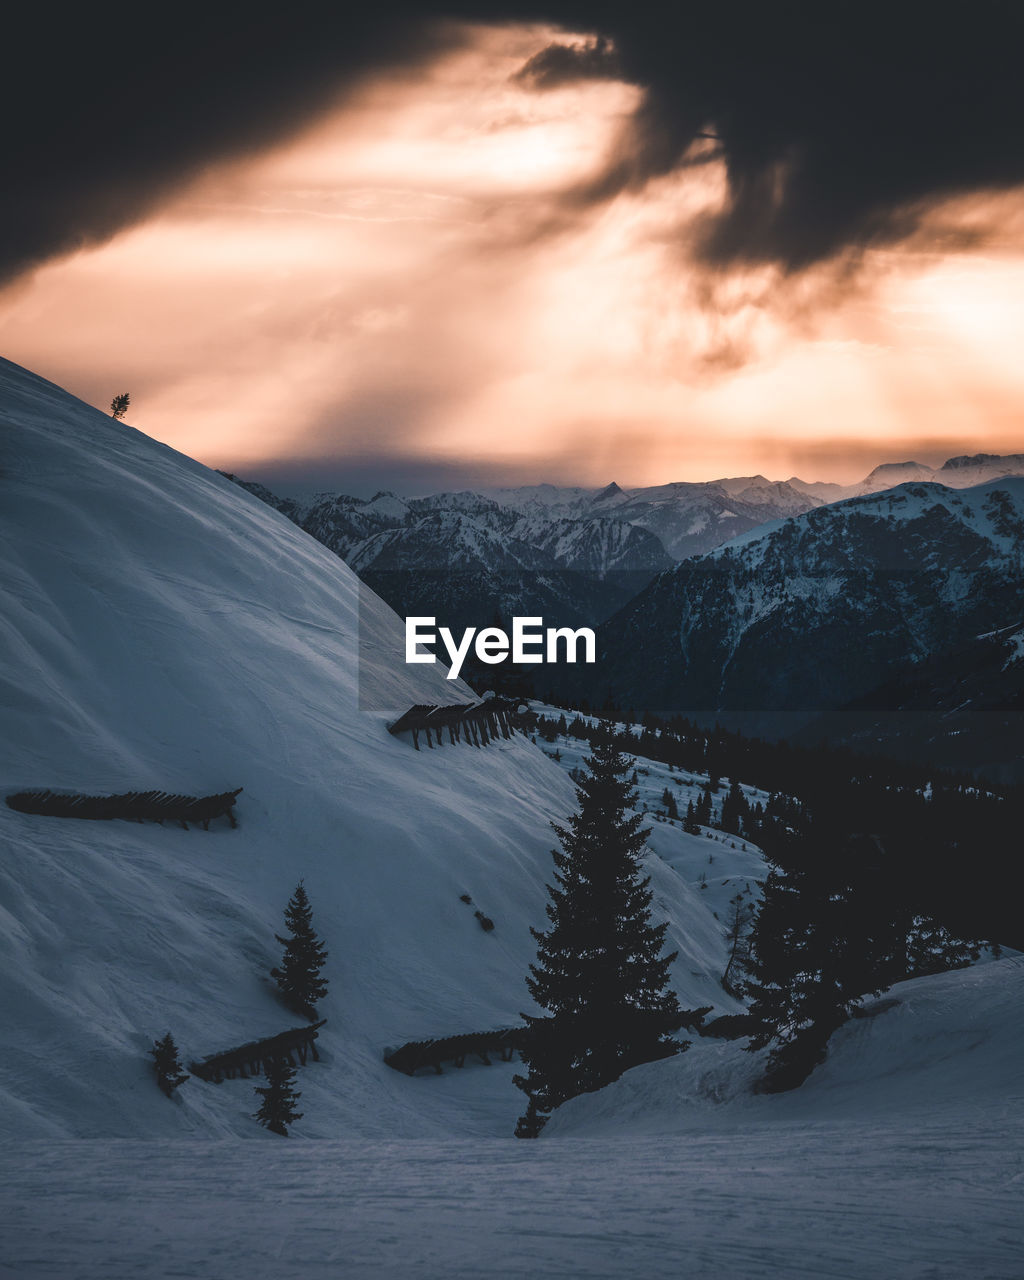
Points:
(407, 279)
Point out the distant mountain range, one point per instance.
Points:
(468, 560)
(780, 608)
(594, 531)
(786, 624)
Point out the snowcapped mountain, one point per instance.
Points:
(890, 474)
(686, 518)
(955, 473)
(963, 472)
(464, 558)
(162, 629)
(569, 554)
(814, 611)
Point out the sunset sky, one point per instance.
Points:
(453, 270)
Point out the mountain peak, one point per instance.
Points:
(1003, 461)
(889, 474)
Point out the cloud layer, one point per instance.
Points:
(839, 124)
(492, 259)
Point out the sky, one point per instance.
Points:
(518, 250)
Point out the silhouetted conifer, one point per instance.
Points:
(740, 916)
(167, 1064)
(599, 972)
(304, 955)
(828, 932)
(735, 810)
(277, 1110)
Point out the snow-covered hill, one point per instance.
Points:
(163, 629)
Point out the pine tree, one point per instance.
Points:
(735, 810)
(827, 934)
(119, 405)
(599, 972)
(740, 915)
(167, 1064)
(531, 1122)
(304, 956)
(690, 824)
(277, 1110)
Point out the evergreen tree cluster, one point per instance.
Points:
(834, 926)
(931, 823)
(866, 884)
(301, 985)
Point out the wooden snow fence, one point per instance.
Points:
(477, 722)
(482, 1045)
(135, 806)
(251, 1059)
(503, 1044)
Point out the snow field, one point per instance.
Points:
(832, 1201)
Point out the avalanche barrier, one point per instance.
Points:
(250, 1059)
(479, 721)
(136, 806)
(411, 1057)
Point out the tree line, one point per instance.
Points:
(942, 840)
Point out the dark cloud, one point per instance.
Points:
(560, 64)
(839, 122)
(108, 107)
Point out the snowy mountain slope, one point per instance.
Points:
(162, 629)
(968, 470)
(808, 613)
(963, 472)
